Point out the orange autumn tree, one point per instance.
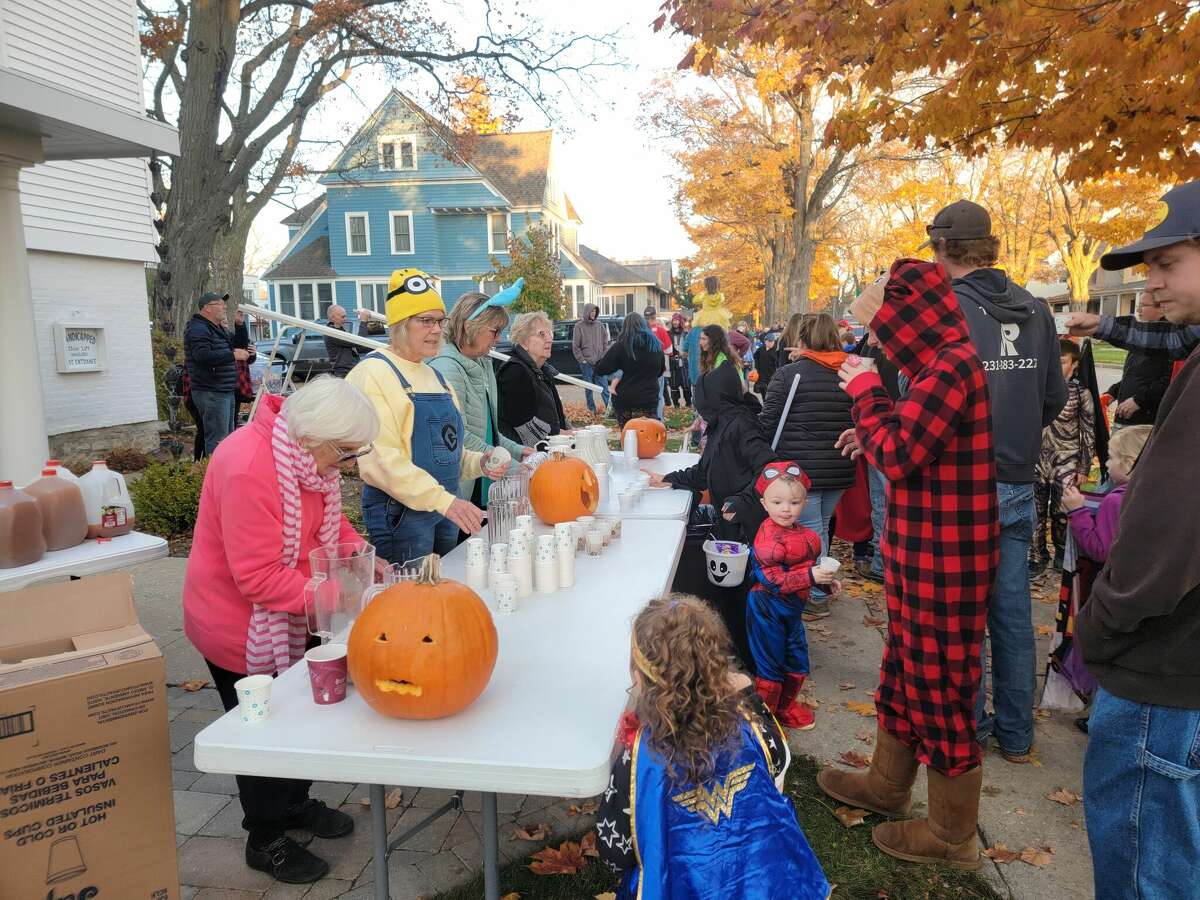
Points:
(1105, 85)
(735, 259)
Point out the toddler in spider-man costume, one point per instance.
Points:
(783, 566)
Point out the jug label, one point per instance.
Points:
(113, 516)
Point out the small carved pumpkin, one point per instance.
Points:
(651, 436)
(563, 488)
(423, 649)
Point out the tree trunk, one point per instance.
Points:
(800, 274)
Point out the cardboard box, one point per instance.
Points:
(85, 766)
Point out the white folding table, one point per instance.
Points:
(656, 503)
(89, 558)
(544, 725)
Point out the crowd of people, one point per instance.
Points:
(968, 421)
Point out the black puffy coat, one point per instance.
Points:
(820, 412)
(529, 405)
(1144, 378)
(208, 352)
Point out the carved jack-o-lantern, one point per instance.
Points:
(423, 649)
(651, 436)
(563, 488)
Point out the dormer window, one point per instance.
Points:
(398, 153)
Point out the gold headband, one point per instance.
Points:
(644, 665)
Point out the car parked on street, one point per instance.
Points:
(312, 359)
(561, 356)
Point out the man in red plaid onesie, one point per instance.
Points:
(941, 550)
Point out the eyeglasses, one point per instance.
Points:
(430, 322)
(353, 454)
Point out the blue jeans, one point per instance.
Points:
(401, 534)
(587, 372)
(1010, 629)
(217, 410)
(1141, 785)
(817, 512)
(878, 485)
(662, 403)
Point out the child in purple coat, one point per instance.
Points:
(1095, 531)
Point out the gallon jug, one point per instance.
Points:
(106, 499)
(61, 471)
(21, 541)
(64, 521)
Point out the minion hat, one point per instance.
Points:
(773, 470)
(410, 291)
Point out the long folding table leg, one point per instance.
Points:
(379, 839)
(491, 849)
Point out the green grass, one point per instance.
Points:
(1107, 354)
(851, 861)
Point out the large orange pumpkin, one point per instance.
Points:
(423, 649)
(651, 435)
(563, 488)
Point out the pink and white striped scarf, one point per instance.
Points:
(275, 639)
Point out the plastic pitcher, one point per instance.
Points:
(342, 581)
(21, 540)
(107, 502)
(64, 521)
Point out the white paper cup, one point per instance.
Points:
(506, 594)
(498, 550)
(586, 521)
(595, 541)
(566, 568)
(545, 548)
(524, 523)
(254, 698)
(476, 551)
(626, 501)
(476, 575)
(564, 536)
(545, 577)
(828, 564)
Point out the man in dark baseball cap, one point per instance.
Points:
(962, 220)
(1140, 629)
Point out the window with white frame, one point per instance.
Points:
(373, 295)
(358, 234)
(489, 286)
(402, 232)
(398, 153)
(285, 295)
(499, 230)
(305, 299)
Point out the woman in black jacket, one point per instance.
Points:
(819, 413)
(528, 403)
(766, 363)
(734, 454)
(638, 356)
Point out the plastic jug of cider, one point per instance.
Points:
(106, 499)
(61, 471)
(21, 541)
(64, 521)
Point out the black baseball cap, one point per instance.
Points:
(650, 313)
(208, 297)
(1178, 217)
(962, 220)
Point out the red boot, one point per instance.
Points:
(790, 713)
(769, 691)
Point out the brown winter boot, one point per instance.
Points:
(885, 788)
(949, 837)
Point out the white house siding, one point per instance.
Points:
(89, 47)
(110, 292)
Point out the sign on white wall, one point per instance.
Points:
(79, 347)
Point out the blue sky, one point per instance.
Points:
(618, 177)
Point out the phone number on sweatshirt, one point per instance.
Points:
(1003, 365)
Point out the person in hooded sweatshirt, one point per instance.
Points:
(589, 342)
(1014, 335)
(940, 550)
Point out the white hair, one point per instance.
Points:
(525, 323)
(330, 410)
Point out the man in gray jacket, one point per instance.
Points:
(589, 342)
(1014, 335)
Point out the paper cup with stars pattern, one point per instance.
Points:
(254, 698)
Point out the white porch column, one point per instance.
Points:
(23, 444)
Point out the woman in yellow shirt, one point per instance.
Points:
(409, 503)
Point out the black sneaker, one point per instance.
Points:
(1082, 724)
(315, 817)
(285, 860)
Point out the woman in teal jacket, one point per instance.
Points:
(464, 363)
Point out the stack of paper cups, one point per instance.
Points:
(630, 443)
(477, 564)
(520, 566)
(545, 576)
(506, 594)
(566, 567)
(602, 477)
(498, 564)
(564, 537)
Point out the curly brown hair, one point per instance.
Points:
(687, 702)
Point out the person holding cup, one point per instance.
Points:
(410, 499)
(270, 497)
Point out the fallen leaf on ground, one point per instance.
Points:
(872, 621)
(1045, 630)
(1040, 713)
(1038, 857)
(586, 808)
(854, 758)
(1000, 854)
(392, 800)
(990, 790)
(847, 685)
(194, 685)
(566, 859)
(1020, 812)
(587, 846)
(867, 738)
(1063, 796)
(1075, 824)
(807, 699)
(862, 707)
(849, 816)
(533, 832)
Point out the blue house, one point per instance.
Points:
(400, 195)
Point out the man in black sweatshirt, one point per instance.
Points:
(1013, 333)
(1140, 630)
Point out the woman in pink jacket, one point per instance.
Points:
(272, 495)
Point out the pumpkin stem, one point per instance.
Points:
(431, 570)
